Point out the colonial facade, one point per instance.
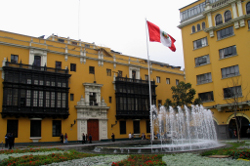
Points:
(60, 85)
(216, 51)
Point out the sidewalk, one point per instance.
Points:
(71, 145)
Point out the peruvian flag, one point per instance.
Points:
(157, 35)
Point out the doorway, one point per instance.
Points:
(93, 129)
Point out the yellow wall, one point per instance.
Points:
(56, 52)
(241, 39)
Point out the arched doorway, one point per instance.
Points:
(244, 125)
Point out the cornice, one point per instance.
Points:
(191, 20)
(220, 106)
(92, 84)
(212, 7)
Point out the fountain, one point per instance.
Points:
(187, 129)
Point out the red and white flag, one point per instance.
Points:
(158, 35)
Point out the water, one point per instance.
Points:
(183, 129)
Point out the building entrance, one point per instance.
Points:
(244, 126)
(93, 129)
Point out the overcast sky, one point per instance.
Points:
(117, 24)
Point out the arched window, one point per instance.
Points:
(198, 27)
(218, 19)
(193, 29)
(203, 25)
(227, 16)
(248, 8)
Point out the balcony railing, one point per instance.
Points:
(39, 68)
(125, 79)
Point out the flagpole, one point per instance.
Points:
(149, 84)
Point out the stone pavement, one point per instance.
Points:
(79, 145)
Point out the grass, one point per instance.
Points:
(43, 159)
(232, 151)
(56, 155)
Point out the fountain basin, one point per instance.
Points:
(145, 147)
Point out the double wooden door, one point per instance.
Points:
(93, 129)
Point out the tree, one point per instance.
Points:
(183, 94)
(235, 101)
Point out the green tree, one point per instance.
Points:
(182, 94)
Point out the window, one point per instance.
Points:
(28, 98)
(12, 127)
(158, 79)
(92, 99)
(40, 100)
(177, 82)
(133, 74)
(119, 73)
(71, 97)
(122, 127)
(230, 71)
(198, 27)
(56, 128)
(202, 60)
(72, 67)
(47, 99)
(248, 24)
(193, 29)
(53, 96)
(218, 19)
(146, 77)
(200, 43)
(206, 97)
(87, 45)
(203, 25)
(108, 72)
(136, 127)
(193, 11)
(204, 78)
(60, 40)
(168, 80)
(58, 65)
(35, 128)
(22, 98)
(59, 100)
(227, 52)
(110, 99)
(64, 100)
(37, 61)
(14, 58)
(35, 97)
(225, 33)
(91, 70)
(248, 8)
(232, 92)
(74, 43)
(227, 16)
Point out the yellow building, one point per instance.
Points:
(216, 39)
(60, 85)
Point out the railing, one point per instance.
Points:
(33, 67)
(34, 111)
(125, 79)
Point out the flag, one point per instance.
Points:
(157, 35)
